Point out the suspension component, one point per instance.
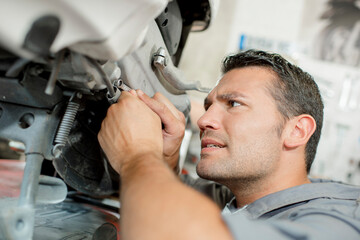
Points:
(173, 75)
(65, 127)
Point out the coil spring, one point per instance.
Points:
(67, 122)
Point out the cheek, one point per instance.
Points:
(248, 130)
(243, 126)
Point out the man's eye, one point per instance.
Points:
(234, 104)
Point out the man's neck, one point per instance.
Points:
(248, 191)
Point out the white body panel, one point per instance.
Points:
(105, 29)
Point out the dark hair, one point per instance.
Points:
(295, 91)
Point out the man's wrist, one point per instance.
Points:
(139, 164)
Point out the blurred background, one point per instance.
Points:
(320, 36)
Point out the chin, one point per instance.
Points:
(206, 171)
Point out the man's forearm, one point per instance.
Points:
(156, 205)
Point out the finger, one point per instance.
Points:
(126, 94)
(133, 92)
(166, 115)
(161, 98)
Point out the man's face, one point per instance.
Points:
(240, 128)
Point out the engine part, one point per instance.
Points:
(173, 75)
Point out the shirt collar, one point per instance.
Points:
(231, 207)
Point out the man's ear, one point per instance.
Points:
(301, 128)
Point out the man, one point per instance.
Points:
(258, 137)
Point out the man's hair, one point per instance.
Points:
(295, 91)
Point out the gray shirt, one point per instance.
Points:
(322, 209)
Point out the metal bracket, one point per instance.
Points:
(173, 75)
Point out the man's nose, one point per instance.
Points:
(210, 119)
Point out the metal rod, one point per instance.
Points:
(30, 182)
(103, 75)
(54, 73)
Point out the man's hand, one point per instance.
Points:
(130, 131)
(174, 125)
(132, 139)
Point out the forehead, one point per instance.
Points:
(250, 82)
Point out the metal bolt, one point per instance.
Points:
(20, 224)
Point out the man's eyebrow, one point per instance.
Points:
(225, 96)
(231, 95)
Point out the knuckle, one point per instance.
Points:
(111, 109)
(157, 95)
(102, 127)
(181, 117)
(101, 132)
(163, 108)
(182, 128)
(100, 138)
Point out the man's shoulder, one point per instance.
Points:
(320, 195)
(322, 209)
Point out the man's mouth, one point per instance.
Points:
(213, 146)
